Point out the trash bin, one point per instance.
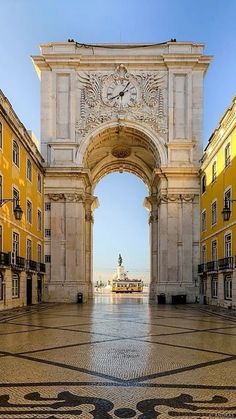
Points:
(79, 298)
(161, 298)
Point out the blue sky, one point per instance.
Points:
(27, 23)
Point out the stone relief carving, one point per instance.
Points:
(176, 198)
(68, 197)
(145, 101)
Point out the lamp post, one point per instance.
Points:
(18, 212)
(226, 212)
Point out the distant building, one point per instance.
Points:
(21, 242)
(218, 237)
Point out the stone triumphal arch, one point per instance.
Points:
(125, 107)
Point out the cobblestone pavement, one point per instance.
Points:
(117, 357)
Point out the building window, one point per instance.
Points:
(29, 170)
(39, 253)
(213, 213)
(39, 220)
(47, 258)
(15, 285)
(16, 197)
(203, 183)
(228, 245)
(203, 254)
(47, 232)
(213, 172)
(228, 287)
(39, 183)
(227, 198)
(1, 287)
(47, 206)
(214, 250)
(214, 287)
(1, 131)
(204, 220)
(15, 245)
(16, 154)
(227, 155)
(29, 212)
(29, 249)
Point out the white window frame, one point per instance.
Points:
(213, 172)
(29, 211)
(28, 249)
(15, 243)
(29, 169)
(39, 219)
(203, 224)
(16, 153)
(204, 253)
(39, 252)
(47, 258)
(39, 182)
(228, 191)
(227, 155)
(214, 258)
(15, 285)
(228, 287)
(214, 287)
(228, 244)
(214, 213)
(15, 198)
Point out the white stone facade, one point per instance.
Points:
(135, 108)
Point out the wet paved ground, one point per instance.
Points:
(117, 357)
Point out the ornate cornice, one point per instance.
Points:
(178, 198)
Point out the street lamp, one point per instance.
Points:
(226, 212)
(18, 212)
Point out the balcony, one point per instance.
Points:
(212, 266)
(19, 262)
(4, 259)
(202, 268)
(226, 263)
(31, 265)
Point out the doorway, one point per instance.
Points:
(29, 290)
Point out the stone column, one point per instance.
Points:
(90, 204)
(151, 204)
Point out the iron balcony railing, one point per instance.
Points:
(4, 259)
(20, 262)
(212, 266)
(41, 267)
(31, 265)
(226, 263)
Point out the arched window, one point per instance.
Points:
(15, 154)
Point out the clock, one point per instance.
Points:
(121, 93)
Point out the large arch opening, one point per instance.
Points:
(124, 148)
(120, 227)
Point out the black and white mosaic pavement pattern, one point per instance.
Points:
(117, 357)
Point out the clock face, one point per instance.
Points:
(121, 93)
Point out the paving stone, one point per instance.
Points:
(128, 359)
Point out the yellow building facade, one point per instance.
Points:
(21, 241)
(218, 236)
